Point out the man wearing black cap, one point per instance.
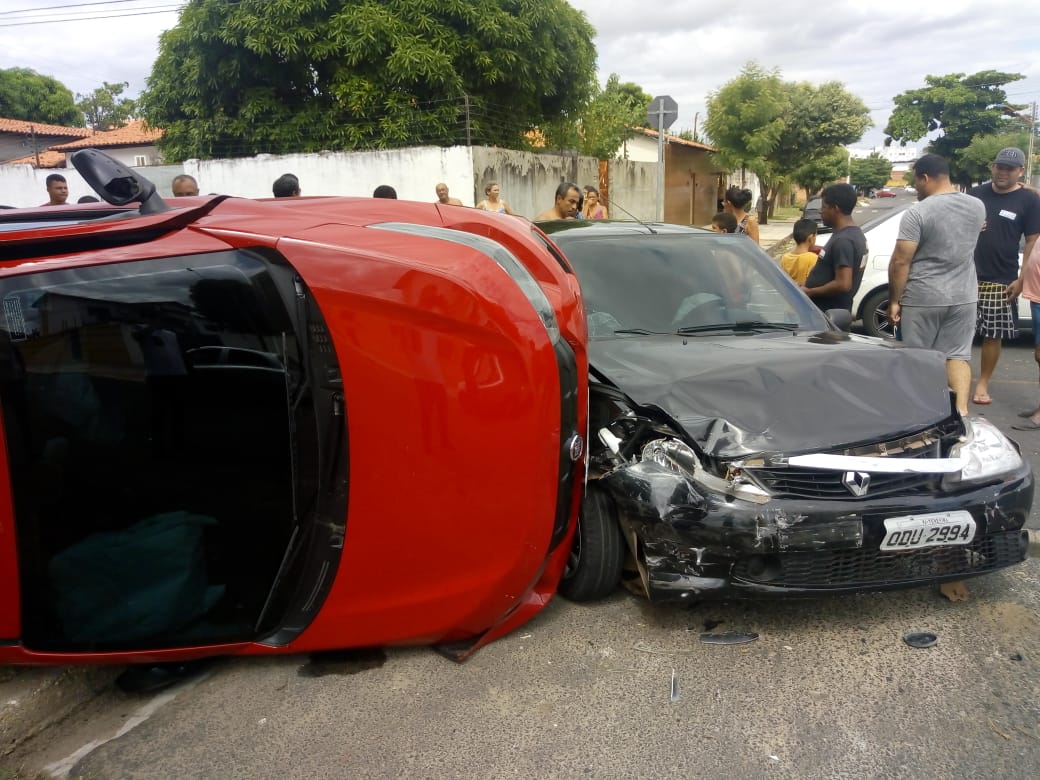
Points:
(1012, 211)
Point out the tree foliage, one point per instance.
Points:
(871, 172)
(26, 94)
(602, 125)
(305, 75)
(959, 108)
(103, 108)
(774, 128)
(814, 175)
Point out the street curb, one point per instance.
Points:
(32, 698)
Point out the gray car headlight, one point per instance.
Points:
(681, 459)
(985, 452)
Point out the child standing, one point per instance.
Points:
(799, 262)
(724, 222)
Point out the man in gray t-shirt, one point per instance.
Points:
(931, 276)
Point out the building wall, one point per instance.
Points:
(691, 181)
(528, 181)
(128, 154)
(15, 145)
(633, 190)
(414, 172)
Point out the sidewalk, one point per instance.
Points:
(774, 237)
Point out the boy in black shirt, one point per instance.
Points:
(835, 278)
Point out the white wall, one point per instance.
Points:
(414, 172)
(23, 186)
(640, 148)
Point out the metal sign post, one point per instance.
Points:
(662, 112)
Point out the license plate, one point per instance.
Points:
(934, 529)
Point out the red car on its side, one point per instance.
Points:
(242, 427)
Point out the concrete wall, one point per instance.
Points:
(15, 145)
(414, 172)
(23, 186)
(528, 181)
(633, 190)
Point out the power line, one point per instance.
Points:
(173, 8)
(66, 5)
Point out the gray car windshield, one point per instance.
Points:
(683, 283)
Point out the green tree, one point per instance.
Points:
(774, 128)
(104, 108)
(976, 159)
(818, 172)
(26, 94)
(870, 173)
(305, 75)
(959, 108)
(605, 121)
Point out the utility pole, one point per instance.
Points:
(660, 114)
(36, 149)
(1032, 146)
(469, 137)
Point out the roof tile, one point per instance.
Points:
(134, 133)
(20, 126)
(48, 159)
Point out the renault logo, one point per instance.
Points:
(857, 482)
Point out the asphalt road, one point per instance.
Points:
(827, 690)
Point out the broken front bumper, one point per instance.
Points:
(692, 542)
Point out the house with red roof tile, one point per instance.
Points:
(22, 140)
(133, 144)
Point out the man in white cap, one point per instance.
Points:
(1012, 211)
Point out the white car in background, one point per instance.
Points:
(870, 305)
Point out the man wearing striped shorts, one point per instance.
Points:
(1012, 211)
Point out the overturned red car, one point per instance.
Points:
(241, 427)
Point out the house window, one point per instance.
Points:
(140, 160)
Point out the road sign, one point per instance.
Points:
(662, 112)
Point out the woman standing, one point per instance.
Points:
(737, 202)
(593, 208)
(492, 202)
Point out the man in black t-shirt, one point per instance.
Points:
(1012, 211)
(834, 280)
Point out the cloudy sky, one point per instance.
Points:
(682, 48)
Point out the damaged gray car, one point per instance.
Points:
(742, 443)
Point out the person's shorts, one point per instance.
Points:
(948, 329)
(996, 314)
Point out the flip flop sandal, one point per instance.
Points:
(1027, 425)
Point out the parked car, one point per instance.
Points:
(242, 427)
(740, 442)
(812, 211)
(870, 304)
(910, 189)
(885, 192)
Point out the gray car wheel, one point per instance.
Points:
(875, 314)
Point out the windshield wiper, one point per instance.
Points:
(743, 325)
(638, 332)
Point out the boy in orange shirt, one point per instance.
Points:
(799, 262)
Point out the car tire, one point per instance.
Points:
(597, 553)
(875, 315)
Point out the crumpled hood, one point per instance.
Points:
(779, 392)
